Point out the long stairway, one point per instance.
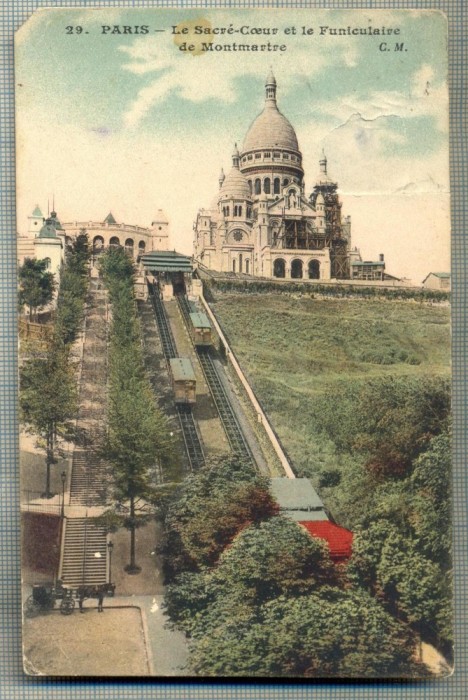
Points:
(89, 474)
(84, 553)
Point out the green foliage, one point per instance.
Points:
(73, 289)
(272, 558)
(210, 508)
(48, 399)
(116, 268)
(328, 633)
(330, 477)
(412, 586)
(389, 421)
(36, 285)
(139, 441)
(367, 425)
(338, 291)
(430, 484)
(79, 253)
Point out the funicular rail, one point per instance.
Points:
(193, 446)
(223, 405)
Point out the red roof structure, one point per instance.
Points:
(339, 539)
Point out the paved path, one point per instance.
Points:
(167, 649)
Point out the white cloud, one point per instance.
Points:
(203, 77)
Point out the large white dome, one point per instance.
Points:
(270, 129)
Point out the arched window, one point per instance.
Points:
(267, 185)
(250, 185)
(258, 186)
(240, 210)
(240, 262)
(279, 268)
(276, 185)
(129, 245)
(48, 263)
(314, 270)
(296, 269)
(142, 246)
(247, 264)
(234, 265)
(114, 242)
(98, 244)
(285, 182)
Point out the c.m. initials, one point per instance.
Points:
(398, 46)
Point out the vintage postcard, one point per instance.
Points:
(234, 299)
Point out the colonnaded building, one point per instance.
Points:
(262, 223)
(47, 237)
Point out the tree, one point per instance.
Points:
(209, 510)
(116, 267)
(80, 252)
(48, 400)
(430, 484)
(412, 587)
(138, 441)
(327, 633)
(272, 558)
(389, 421)
(268, 559)
(36, 285)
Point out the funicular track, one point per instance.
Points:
(190, 434)
(223, 404)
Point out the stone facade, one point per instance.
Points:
(135, 239)
(261, 222)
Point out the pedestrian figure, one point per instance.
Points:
(100, 598)
(81, 597)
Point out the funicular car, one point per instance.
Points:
(183, 380)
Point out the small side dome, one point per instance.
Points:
(235, 186)
(48, 230)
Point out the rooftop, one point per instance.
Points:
(166, 261)
(339, 539)
(110, 219)
(200, 320)
(181, 369)
(270, 129)
(295, 494)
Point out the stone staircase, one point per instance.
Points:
(84, 559)
(84, 545)
(88, 482)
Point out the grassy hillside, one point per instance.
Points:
(295, 350)
(358, 391)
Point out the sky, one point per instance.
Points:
(131, 124)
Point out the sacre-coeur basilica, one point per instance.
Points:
(262, 222)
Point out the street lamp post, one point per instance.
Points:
(63, 476)
(110, 547)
